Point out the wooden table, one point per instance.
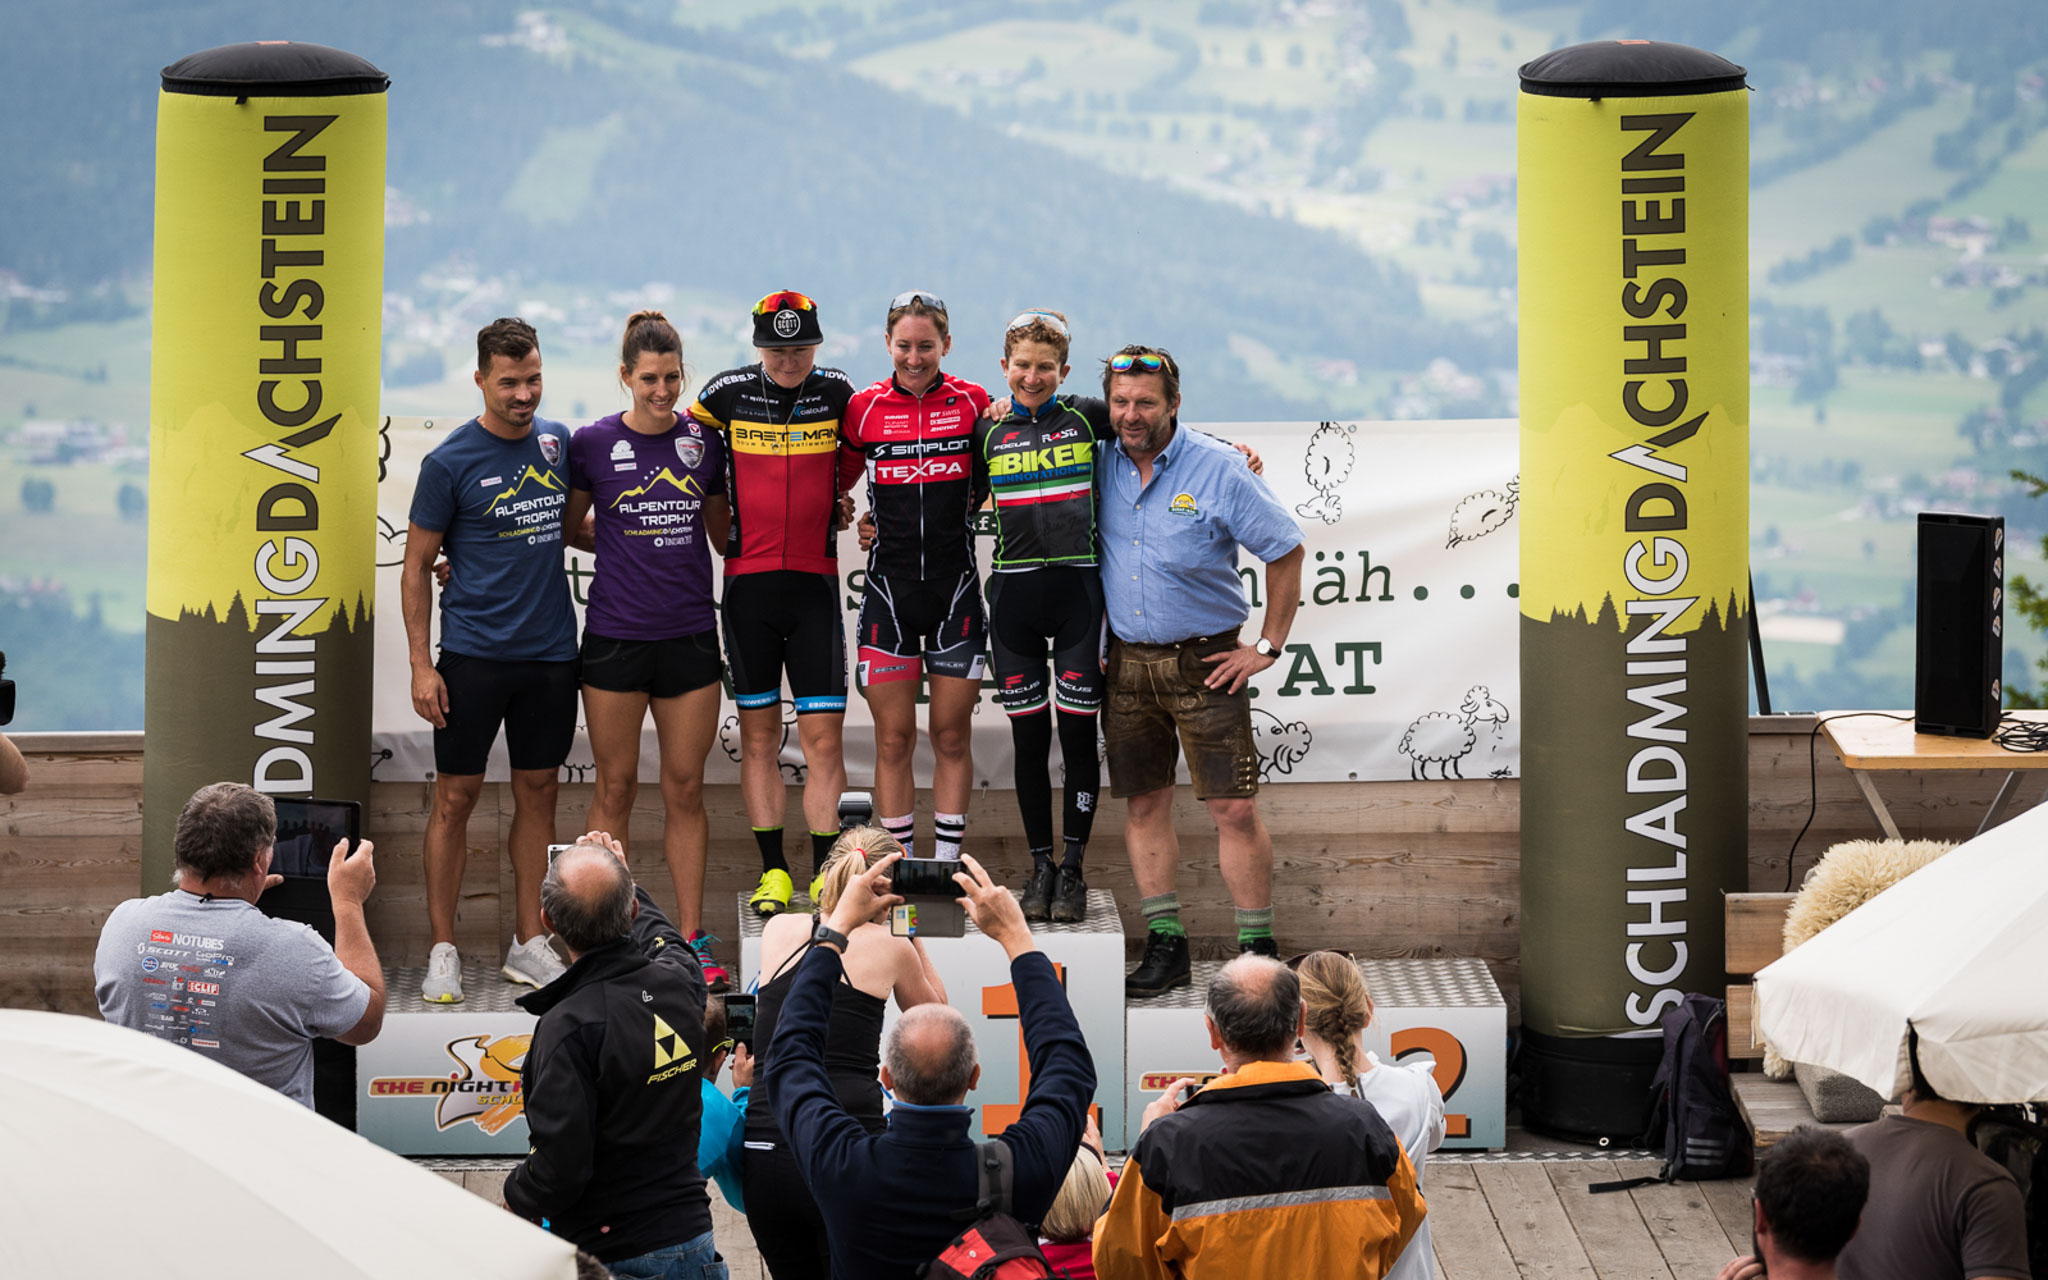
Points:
(1867, 743)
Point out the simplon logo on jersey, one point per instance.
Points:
(757, 437)
(671, 1055)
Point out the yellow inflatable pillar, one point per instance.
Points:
(1633, 181)
(262, 428)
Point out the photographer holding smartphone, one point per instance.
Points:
(780, 1208)
(200, 966)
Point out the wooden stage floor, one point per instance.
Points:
(1493, 1216)
(1502, 1217)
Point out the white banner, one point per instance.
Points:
(1402, 663)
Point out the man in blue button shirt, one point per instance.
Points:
(1175, 507)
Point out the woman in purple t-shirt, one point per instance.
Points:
(655, 482)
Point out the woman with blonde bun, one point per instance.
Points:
(780, 1209)
(1339, 1010)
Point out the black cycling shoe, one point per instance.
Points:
(1037, 897)
(1259, 947)
(1070, 897)
(1164, 967)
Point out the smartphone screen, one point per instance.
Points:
(308, 830)
(925, 878)
(739, 1020)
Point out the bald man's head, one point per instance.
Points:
(587, 897)
(1255, 1006)
(930, 1056)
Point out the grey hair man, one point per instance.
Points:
(202, 967)
(1263, 1171)
(613, 1100)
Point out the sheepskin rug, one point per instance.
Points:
(1847, 876)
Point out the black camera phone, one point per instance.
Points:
(925, 878)
(739, 1019)
(308, 830)
(6, 693)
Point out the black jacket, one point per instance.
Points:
(892, 1201)
(613, 1098)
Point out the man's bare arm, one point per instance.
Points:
(416, 602)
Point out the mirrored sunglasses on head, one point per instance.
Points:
(908, 296)
(784, 300)
(1150, 362)
(1028, 318)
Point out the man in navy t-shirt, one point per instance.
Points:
(491, 497)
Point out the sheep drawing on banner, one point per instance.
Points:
(1478, 514)
(1281, 744)
(729, 739)
(1327, 465)
(1443, 738)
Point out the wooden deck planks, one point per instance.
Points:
(1468, 1243)
(1685, 1227)
(1533, 1222)
(1609, 1226)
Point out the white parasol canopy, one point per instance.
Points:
(1958, 951)
(130, 1156)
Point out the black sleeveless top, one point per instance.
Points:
(853, 1052)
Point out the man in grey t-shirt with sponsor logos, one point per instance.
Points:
(200, 966)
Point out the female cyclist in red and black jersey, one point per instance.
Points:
(922, 609)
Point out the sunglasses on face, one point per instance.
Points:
(1294, 962)
(1046, 318)
(909, 296)
(1147, 361)
(784, 300)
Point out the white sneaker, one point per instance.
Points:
(532, 962)
(443, 984)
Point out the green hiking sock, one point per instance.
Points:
(1162, 914)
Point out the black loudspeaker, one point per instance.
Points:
(1961, 632)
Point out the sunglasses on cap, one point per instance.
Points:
(1026, 319)
(909, 296)
(1294, 962)
(784, 300)
(1150, 362)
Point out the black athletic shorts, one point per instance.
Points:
(658, 668)
(781, 620)
(911, 624)
(535, 702)
(1033, 614)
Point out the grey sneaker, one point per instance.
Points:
(532, 962)
(443, 983)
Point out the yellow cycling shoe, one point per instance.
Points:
(771, 896)
(817, 885)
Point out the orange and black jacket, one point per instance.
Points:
(1265, 1172)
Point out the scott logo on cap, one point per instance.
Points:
(787, 323)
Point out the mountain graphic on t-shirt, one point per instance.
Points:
(546, 479)
(688, 484)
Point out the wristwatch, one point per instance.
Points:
(1264, 648)
(826, 935)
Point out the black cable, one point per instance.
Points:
(1813, 777)
(2015, 734)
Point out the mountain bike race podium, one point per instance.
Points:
(443, 1080)
(1448, 1011)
